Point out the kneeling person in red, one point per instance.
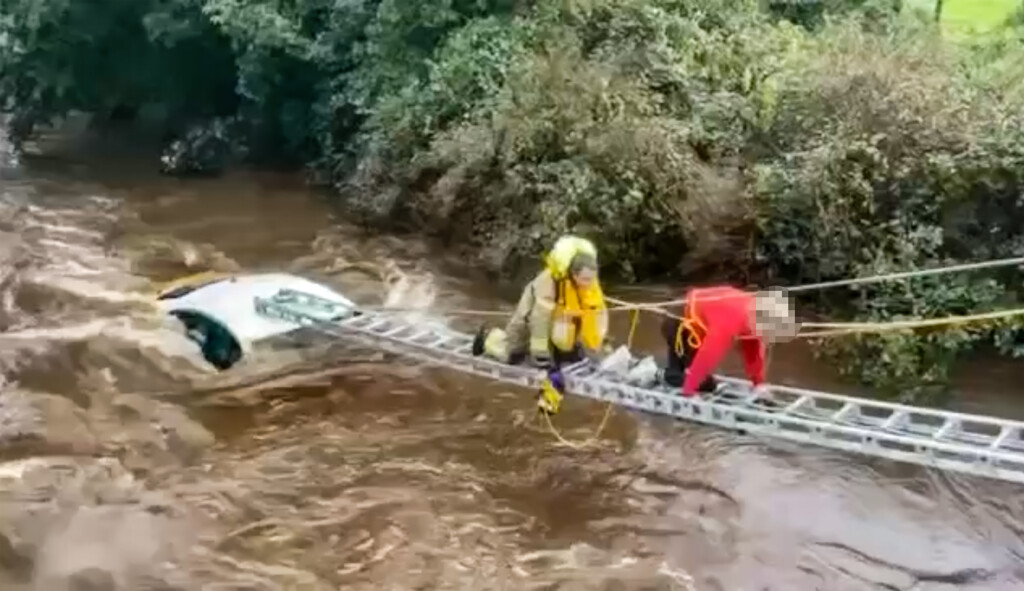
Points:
(711, 319)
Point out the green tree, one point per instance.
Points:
(700, 139)
(59, 55)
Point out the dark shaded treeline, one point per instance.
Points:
(786, 142)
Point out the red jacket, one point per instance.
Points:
(724, 312)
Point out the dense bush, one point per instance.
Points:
(735, 139)
(894, 154)
(626, 119)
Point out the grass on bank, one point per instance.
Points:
(964, 18)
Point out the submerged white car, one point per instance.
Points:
(219, 313)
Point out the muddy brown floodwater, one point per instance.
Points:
(127, 465)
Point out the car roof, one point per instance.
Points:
(231, 301)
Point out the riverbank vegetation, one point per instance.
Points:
(776, 142)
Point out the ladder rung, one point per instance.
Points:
(840, 414)
(458, 342)
(1004, 434)
(796, 404)
(437, 342)
(413, 337)
(576, 367)
(358, 320)
(441, 341)
(395, 330)
(376, 325)
(895, 420)
(719, 397)
(749, 398)
(948, 427)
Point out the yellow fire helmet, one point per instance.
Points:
(565, 249)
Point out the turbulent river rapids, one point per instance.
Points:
(126, 464)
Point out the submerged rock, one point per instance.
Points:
(92, 579)
(14, 557)
(43, 424)
(84, 524)
(204, 149)
(161, 425)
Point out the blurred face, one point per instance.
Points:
(772, 320)
(585, 277)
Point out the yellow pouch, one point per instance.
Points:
(550, 399)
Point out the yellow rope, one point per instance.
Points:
(691, 324)
(841, 328)
(857, 281)
(632, 328)
(832, 329)
(634, 320)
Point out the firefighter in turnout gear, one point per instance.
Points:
(561, 316)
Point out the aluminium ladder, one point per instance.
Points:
(959, 442)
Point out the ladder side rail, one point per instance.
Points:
(695, 404)
(1010, 439)
(792, 407)
(497, 371)
(441, 332)
(995, 469)
(979, 464)
(478, 365)
(890, 406)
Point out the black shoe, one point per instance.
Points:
(673, 378)
(710, 386)
(478, 341)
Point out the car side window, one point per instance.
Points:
(220, 348)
